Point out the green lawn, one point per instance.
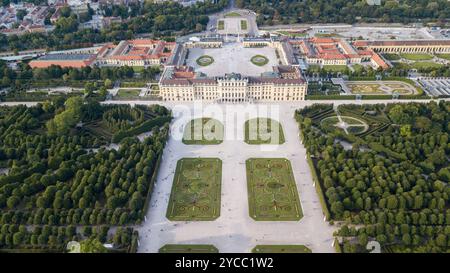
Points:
(281, 249)
(400, 65)
(259, 60)
(173, 248)
(221, 25)
(314, 67)
(128, 93)
(272, 193)
(196, 190)
(425, 65)
(204, 60)
(138, 69)
(232, 14)
(335, 68)
(203, 131)
(392, 56)
(416, 56)
(133, 84)
(358, 67)
(292, 34)
(244, 24)
(327, 35)
(443, 56)
(263, 131)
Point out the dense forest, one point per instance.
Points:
(156, 18)
(343, 11)
(59, 168)
(388, 183)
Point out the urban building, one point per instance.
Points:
(140, 52)
(406, 46)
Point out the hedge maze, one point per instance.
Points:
(120, 121)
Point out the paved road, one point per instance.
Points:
(298, 104)
(211, 28)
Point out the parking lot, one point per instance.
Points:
(436, 86)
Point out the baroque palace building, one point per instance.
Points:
(335, 51)
(284, 83)
(406, 46)
(182, 83)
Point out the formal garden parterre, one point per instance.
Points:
(272, 192)
(196, 190)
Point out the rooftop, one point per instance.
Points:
(66, 57)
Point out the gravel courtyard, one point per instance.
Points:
(232, 57)
(234, 230)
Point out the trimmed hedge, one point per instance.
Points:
(337, 246)
(134, 242)
(330, 97)
(152, 183)
(365, 97)
(377, 147)
(142, 128)
(318, 187)
(315, 178)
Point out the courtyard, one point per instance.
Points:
(233, 58)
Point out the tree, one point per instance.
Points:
(92, 245)
(398, 116)
(20, 14)
(12, 201)
(108, 83)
